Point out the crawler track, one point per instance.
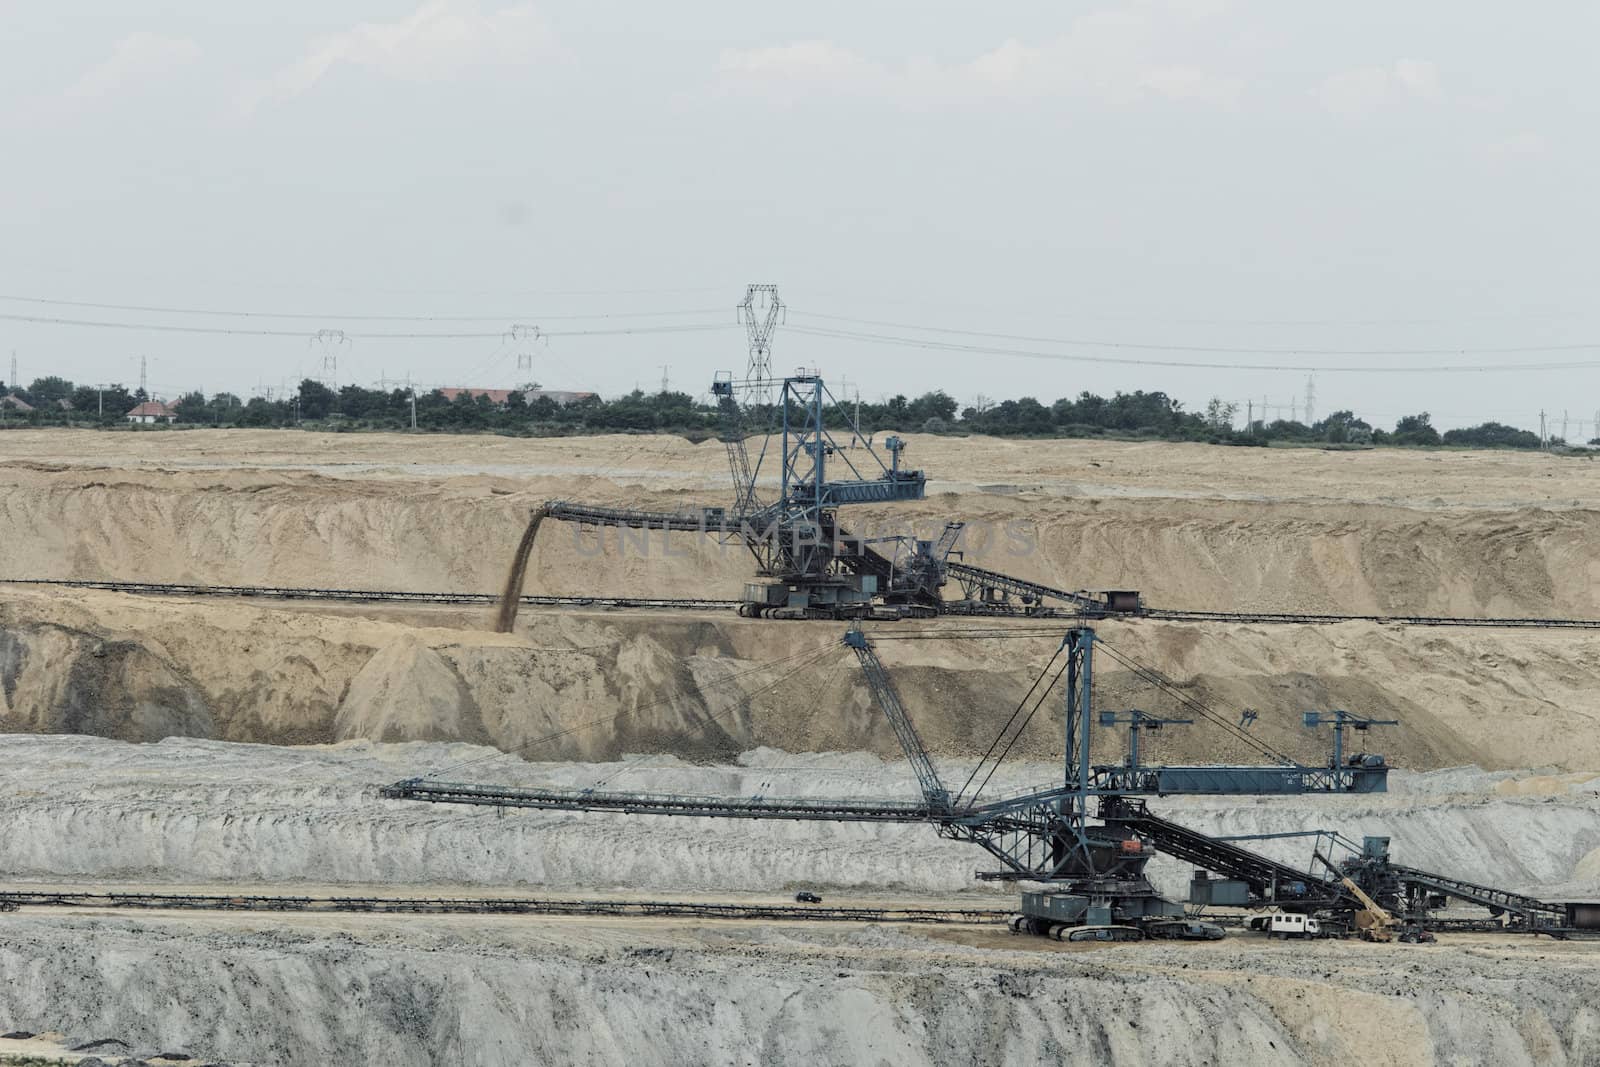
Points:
(17, 899)
(958, 609)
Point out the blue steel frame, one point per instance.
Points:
(1042, 834)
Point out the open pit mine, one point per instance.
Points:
(412, 750)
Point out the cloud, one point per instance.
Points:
(137, 57)
(1119, 56)
(438, 40)
(1418, 77)
(818, 62)
(1523, 145)
(1363, 92)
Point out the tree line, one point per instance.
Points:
(1136, 415)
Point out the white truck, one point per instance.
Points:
(1285, 924)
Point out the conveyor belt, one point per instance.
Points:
(1268, 617)
(704, 520)
(1267, 879)
(1529, 909)
(826, 809)
(1097, 611)
(967, 574)
(491, 906)
(365, 596)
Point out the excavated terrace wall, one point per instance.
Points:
(586, 685)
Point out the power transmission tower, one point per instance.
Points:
(845, 386)
(666, 383)
(761, 312)
(13, 378)
(524, 336)
(329, 341)
(144, 390)
(1311, 399)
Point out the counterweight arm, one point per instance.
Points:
(888, 698)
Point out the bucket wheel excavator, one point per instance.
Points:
(807, 563)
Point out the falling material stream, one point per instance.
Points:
(511, 597)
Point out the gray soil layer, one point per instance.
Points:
(414, 989)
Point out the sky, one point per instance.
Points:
(1217, 198)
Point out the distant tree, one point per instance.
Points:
(86, 399)
(1415, 430)
(118, 401)
(317, 401)
(262, 412)
(49, 390)
(1343, 426)
(1288, 430)
(192, 407)
(1220, 414)
(1492, 435)
(89, 399)
(935, 405)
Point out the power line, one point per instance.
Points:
(1233, 349)
(376, 336)
(1146, 318)
(320, 317)
(1325, 368)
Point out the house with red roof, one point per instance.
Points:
(153, 411)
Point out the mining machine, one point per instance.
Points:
(1080, 847)
(1083, 844)
(808, 564)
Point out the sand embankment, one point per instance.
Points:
(585, 685)
(1192, 526)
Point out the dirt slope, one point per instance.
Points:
(605, 683)
(1191, 526)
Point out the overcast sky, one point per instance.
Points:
(1223, 182)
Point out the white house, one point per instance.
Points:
(152, 411)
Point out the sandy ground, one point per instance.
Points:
(1191, 526)
(169, 792)
(593, 684)
(1421, 479)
